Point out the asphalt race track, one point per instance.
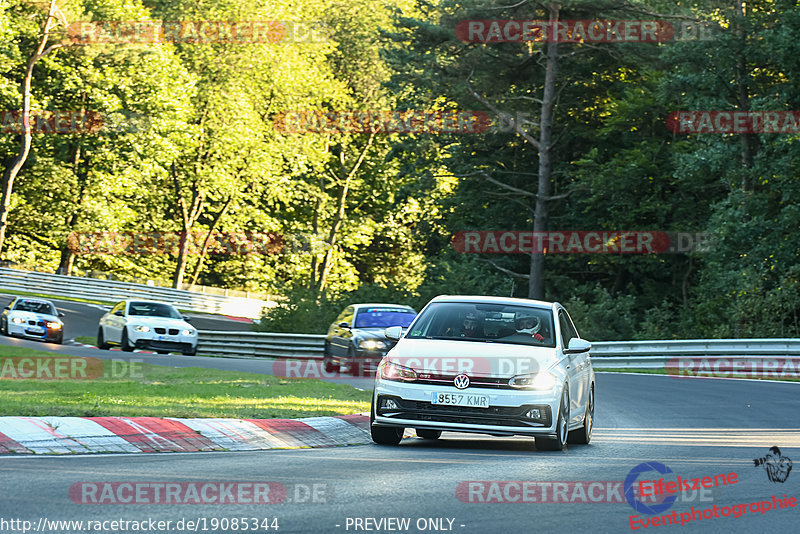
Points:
(695, 427)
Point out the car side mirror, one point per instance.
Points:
(577, 345)
(187, 318)
(394, 333)
(61, 314)
(7, 308)
(119, 313)
(344, 324)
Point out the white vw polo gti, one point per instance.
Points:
(491, 365)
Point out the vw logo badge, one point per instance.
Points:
(461, 381)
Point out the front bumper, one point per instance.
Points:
(37, 331)
(172, 343)
(505, 416)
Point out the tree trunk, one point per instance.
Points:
(341, 204)
(536, 282)
(11, 172)
(189, 216)
(207, 240)
(743, 94)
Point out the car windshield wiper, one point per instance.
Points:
(461, 338)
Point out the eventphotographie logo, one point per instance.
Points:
(775, 464)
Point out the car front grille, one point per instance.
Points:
(161, 330)
(474, 381)
(173, 331)
(493, 415)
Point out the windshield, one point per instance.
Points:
(153, 309)
(498, 323)
(35, 306)
(384, 317)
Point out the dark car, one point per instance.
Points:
(355, 341)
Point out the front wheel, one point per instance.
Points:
(124, 342)
(4, 327)
(558, 442)
(190, 352)
(101, 340)
(583, 435)
(383, 435)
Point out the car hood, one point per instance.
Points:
(166, 322)
(472, 357)
(35, 316)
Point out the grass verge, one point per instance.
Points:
(158, 391)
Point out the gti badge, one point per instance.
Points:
(461, 381)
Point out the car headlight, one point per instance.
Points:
(391, 371)
(372, 344)
(17, 320)
(54, 326)
(540, 381)
(142, 328)
(187, 332)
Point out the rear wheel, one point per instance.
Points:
(101, 340)
(124, 342)
(558, 442)
(162, 351)
(583, 435)
(428, 434)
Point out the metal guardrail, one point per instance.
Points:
(113, 291)
(260, 344)
(607, 354)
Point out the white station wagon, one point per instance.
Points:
(491, 365)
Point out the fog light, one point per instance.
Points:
(533, 414)
(390, 404)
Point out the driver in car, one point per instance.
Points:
(470, 326)
(529, 325)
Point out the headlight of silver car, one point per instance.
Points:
(142, 328)
(187, 332)
(17, 320)
(372, 344)
(539, 381)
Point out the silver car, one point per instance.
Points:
(492, 365)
